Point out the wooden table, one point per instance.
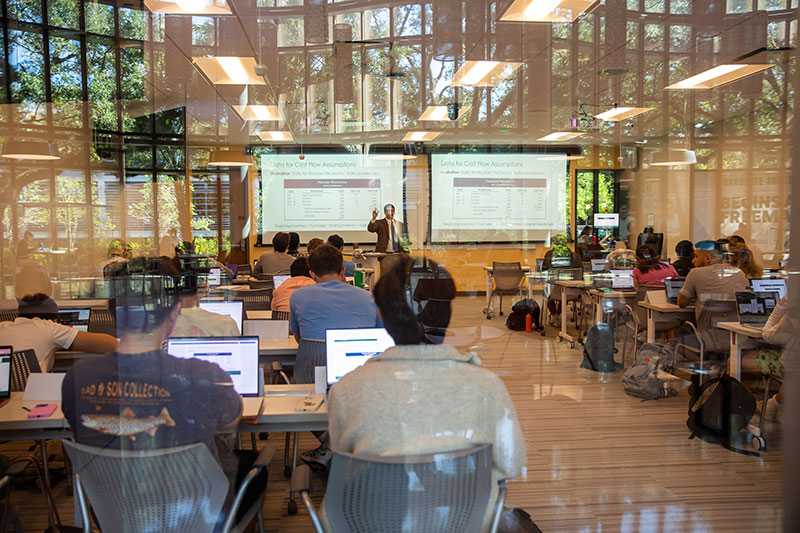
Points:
(665, 309)
(738, 334)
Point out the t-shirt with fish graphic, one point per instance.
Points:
(149, 400)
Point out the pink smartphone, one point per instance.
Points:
(43, 410)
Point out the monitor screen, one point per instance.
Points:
(606, 220)
(622, 279)
(238, 356)
(598, 265)
(75, 318)
(214, 277)
(348, 349)
(5, 371)
(769, 285)
(278, 280)
(231, 309)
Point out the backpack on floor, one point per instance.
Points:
(516, 320)
(719, 409)
(641, 379)
(598, 349)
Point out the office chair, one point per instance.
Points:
(709, 338)
(280, 315)
(172, 489)
(256, 284)
(635, 319)
(102, 321)
(23, 364)
(8, 315)
(507, 280)
(446, 492)
(254, 299)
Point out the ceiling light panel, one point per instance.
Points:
(719, 75)
(439, 112)
(229, 70)
(545, 10)
(257, 112)
(421, 136)
(188, 7)
(483, 73)
(275, 136)
(560, 136)
(622, 113)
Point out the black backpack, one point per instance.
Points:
(719, 409)
(521, 309)
(598, 349)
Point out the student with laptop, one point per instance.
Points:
(418, 398)
(194, 321)
(277, 261)
(710, 278)
(140, 398)
(649, 269)
(301, 277)
(37, 329)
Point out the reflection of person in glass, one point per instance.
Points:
(390, 230)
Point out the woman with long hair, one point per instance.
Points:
(649, 268)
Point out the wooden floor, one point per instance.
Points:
(597, 460)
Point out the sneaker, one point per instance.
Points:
(318, 460)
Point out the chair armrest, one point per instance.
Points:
(277, 368)
(499, 505)
(261, 463)
(265, 457)
(301, 483)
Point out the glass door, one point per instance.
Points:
(596, 191)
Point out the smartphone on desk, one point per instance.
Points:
(43, 410)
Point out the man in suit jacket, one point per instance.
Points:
(389, 230)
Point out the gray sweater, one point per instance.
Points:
(423, 399)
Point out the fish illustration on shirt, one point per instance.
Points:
(126, 424)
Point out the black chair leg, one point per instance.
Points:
(501, 304)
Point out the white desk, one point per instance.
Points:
(665, 309)
(569, 287)
(599, 296)
(489, 310)
(278, 414)
(738, 333)
(283, 350)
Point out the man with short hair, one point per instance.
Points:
(390, 231)
(710, 278)
(37, 329)
(337, 242)
(277, 262)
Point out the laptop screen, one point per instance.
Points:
(598, 265)
(278, 280)
(621, 279)
(561, 262)
(348, 349)
(673, 286)
(75, 318)
(769, 285)
(754, 308)
(5, 371)
(238, 356)
(214, 277)
(231, 309)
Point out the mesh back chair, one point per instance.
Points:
(261, 283)
(23, 364)
(507, 280)
(280, 315)
(706, 338)
(102, 321)
(181, 489)
(442, 492)
(255, 299)
(310, 353)
(244, 270)
(635, 319)
(8, 315)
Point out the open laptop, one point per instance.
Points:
(278, 280)
(75, 318)
(232, 309)
(769, 285)
(673, 286)
(348, 349)
(598, 265)
(622, 280)
(238, 356)
(214, 277)
(754, 308)
(5, 374)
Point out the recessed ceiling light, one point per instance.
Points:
(561, 157)
(229, 70)
(673, 158)
(257, 112)
(439, 112)
(423, 136)
(621, 113)
(188, 7)
(561, 136)
(273, 136)
(483, 73)
(229, 158)
(719, 75)
(545, 10)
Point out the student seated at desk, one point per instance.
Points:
(301, 277)
(196, 322)
(710, 278)
(418, 398)
(649, 268)
(684, 252)
(277, 262)
(560, 256)
(37, 329)
(140, 398)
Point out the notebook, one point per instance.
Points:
(348, 349)
(5, 374)
(278, 280)
(769, 285)
(622, 280)
(232, 309)
(75, 318)
(238, 356)
(673, 286)
(754, 308)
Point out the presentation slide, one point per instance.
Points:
(237, 357)
(327, 193)
(496, 197)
